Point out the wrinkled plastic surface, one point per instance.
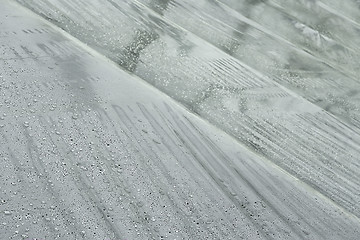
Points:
(100, 154)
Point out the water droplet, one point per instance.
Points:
(26, 124)
(83, 168)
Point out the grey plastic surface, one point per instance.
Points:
(179, 120)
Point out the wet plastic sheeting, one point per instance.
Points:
(157, 119)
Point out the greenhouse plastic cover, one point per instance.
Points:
(179, 119)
